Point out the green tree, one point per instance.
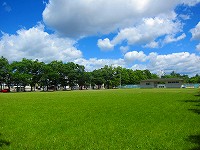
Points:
(4, 72)
(98, 78)
(81, 76)
(72, 74)
(21, 73)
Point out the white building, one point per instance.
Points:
(162, 83)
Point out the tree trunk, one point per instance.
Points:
(99, 86)
(81, 87)
(9, 87)
(24, 88)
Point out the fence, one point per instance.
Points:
(129, 86)
(191, 85)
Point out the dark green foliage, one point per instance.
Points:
(57, 74)
(173, 74)
(4, 72)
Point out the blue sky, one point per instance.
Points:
(145, 34)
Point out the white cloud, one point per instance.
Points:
(94, 63)
(152, 45)
(134, 55)
(88, 17)
(196, 32)
(190, 2)
(198, 47)
(184, 17)
(139, 67)
(105, 44)
(36, 43)
(149, 30)
(124, 49)
(183, 62)
(171, 38)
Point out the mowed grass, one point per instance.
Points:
(107, 119)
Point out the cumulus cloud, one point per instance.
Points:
(180, 62)
(183, 62)
(124, 49)
(36, 43)
(88, 17)
(139, 67)
(171, 38)
(198, 47)
(134, 55)
(105, 44)
(190, 2)
(184, 17)
(149, 30)
(152, 45)
(196, 32)
(94, 63)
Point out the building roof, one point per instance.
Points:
(162, 80)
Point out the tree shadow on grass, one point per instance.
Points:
(3, 142)
(197, 111)
(197, 105)
(196, 140)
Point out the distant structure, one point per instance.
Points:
(162, 83)
(161, 73)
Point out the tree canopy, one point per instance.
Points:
(58, 74)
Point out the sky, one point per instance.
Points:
(157, 35)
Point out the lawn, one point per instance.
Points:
(101, 119)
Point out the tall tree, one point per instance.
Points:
(98, 78)
(72, 74)
(4, 72)
(81, 76)
(21, 73)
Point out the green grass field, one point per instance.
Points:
(107, 119)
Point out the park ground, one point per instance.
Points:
(101, 119)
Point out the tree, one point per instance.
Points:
(124, 76)
(21, 73)
(58, 74)
(72, 75)
(4, 72)
(98, 78)
(81, 76)
(195, 79)
(35, 71)
(108, 75)
(55, 76)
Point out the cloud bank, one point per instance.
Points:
(36, 43)
(148, 32)
(90, 17)
(183, 62)
(196, 34)
(150, 23)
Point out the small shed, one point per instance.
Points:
(162, 83)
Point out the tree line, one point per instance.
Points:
(58, 74)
